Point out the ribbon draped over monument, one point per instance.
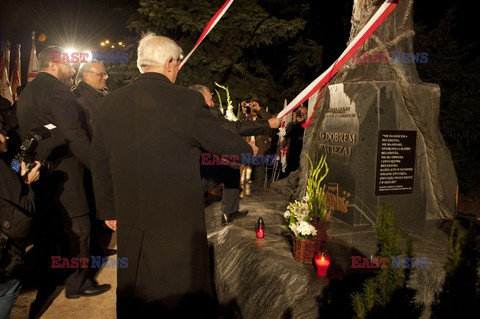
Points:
(375, 21)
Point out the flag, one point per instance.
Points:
(5, 89)
(33, 64)
(15, 77)
(210, 25)
(375, 21)
(282, 142)
(6, 62)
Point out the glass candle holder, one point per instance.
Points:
(260, 228)
(322, 262)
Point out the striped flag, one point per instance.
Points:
(15, 77)
(33, 63)
(375, 21)
(210, 25)
(5, 89)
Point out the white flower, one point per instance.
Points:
(306, 229)
(287, 214)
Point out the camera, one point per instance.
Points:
(299, 113)
(28, 148)
(249, 109)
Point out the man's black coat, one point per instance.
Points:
(146, 146)
(46, 100)
(89, 100)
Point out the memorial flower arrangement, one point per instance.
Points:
(228, 113)
(304, 217)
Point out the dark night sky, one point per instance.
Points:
(83, 24)
(78, 24)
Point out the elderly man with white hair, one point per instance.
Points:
(147, 141)
(90, 87)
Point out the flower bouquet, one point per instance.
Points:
(308, 220)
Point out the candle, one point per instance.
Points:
(260, 228)
(322, 262)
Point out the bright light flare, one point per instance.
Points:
(70, 51)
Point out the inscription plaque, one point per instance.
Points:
(395, 162)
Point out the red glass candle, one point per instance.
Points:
(322, 262)
(260, 228)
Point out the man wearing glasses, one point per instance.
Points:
(91, 86)
(62, 206)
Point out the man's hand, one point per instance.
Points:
(254, 148)
(112, 224)
(33, 175)
(274, 122)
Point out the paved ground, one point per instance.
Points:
(102, 306)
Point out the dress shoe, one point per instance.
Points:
(94, 290)
(226, 219)
(239, 214)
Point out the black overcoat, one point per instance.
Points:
(146, 146)
(46, 100)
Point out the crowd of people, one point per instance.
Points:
(126, 161)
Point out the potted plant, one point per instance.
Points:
(309, 219)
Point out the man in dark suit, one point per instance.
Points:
(61, 196)
(147, 141)
(230, 175)
(90, 87)
(262, 141)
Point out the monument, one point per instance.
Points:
(378, 124)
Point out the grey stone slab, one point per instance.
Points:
(260, 278)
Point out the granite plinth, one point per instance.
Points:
(259, 278)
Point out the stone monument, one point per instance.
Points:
(378, 124)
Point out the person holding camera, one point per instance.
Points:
(16, 211)
(230, 175)
(294, 136)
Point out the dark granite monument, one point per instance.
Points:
(378, 124)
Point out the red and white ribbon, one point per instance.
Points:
(375, 21)
(210, 25)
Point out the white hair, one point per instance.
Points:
(155, 50)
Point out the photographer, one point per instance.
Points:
(294, 137)
(16, 210)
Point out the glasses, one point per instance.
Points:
(100, 74)
(180, 58)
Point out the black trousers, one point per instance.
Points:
(78, 236)
(230, 177)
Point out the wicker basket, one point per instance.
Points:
(304, 250)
